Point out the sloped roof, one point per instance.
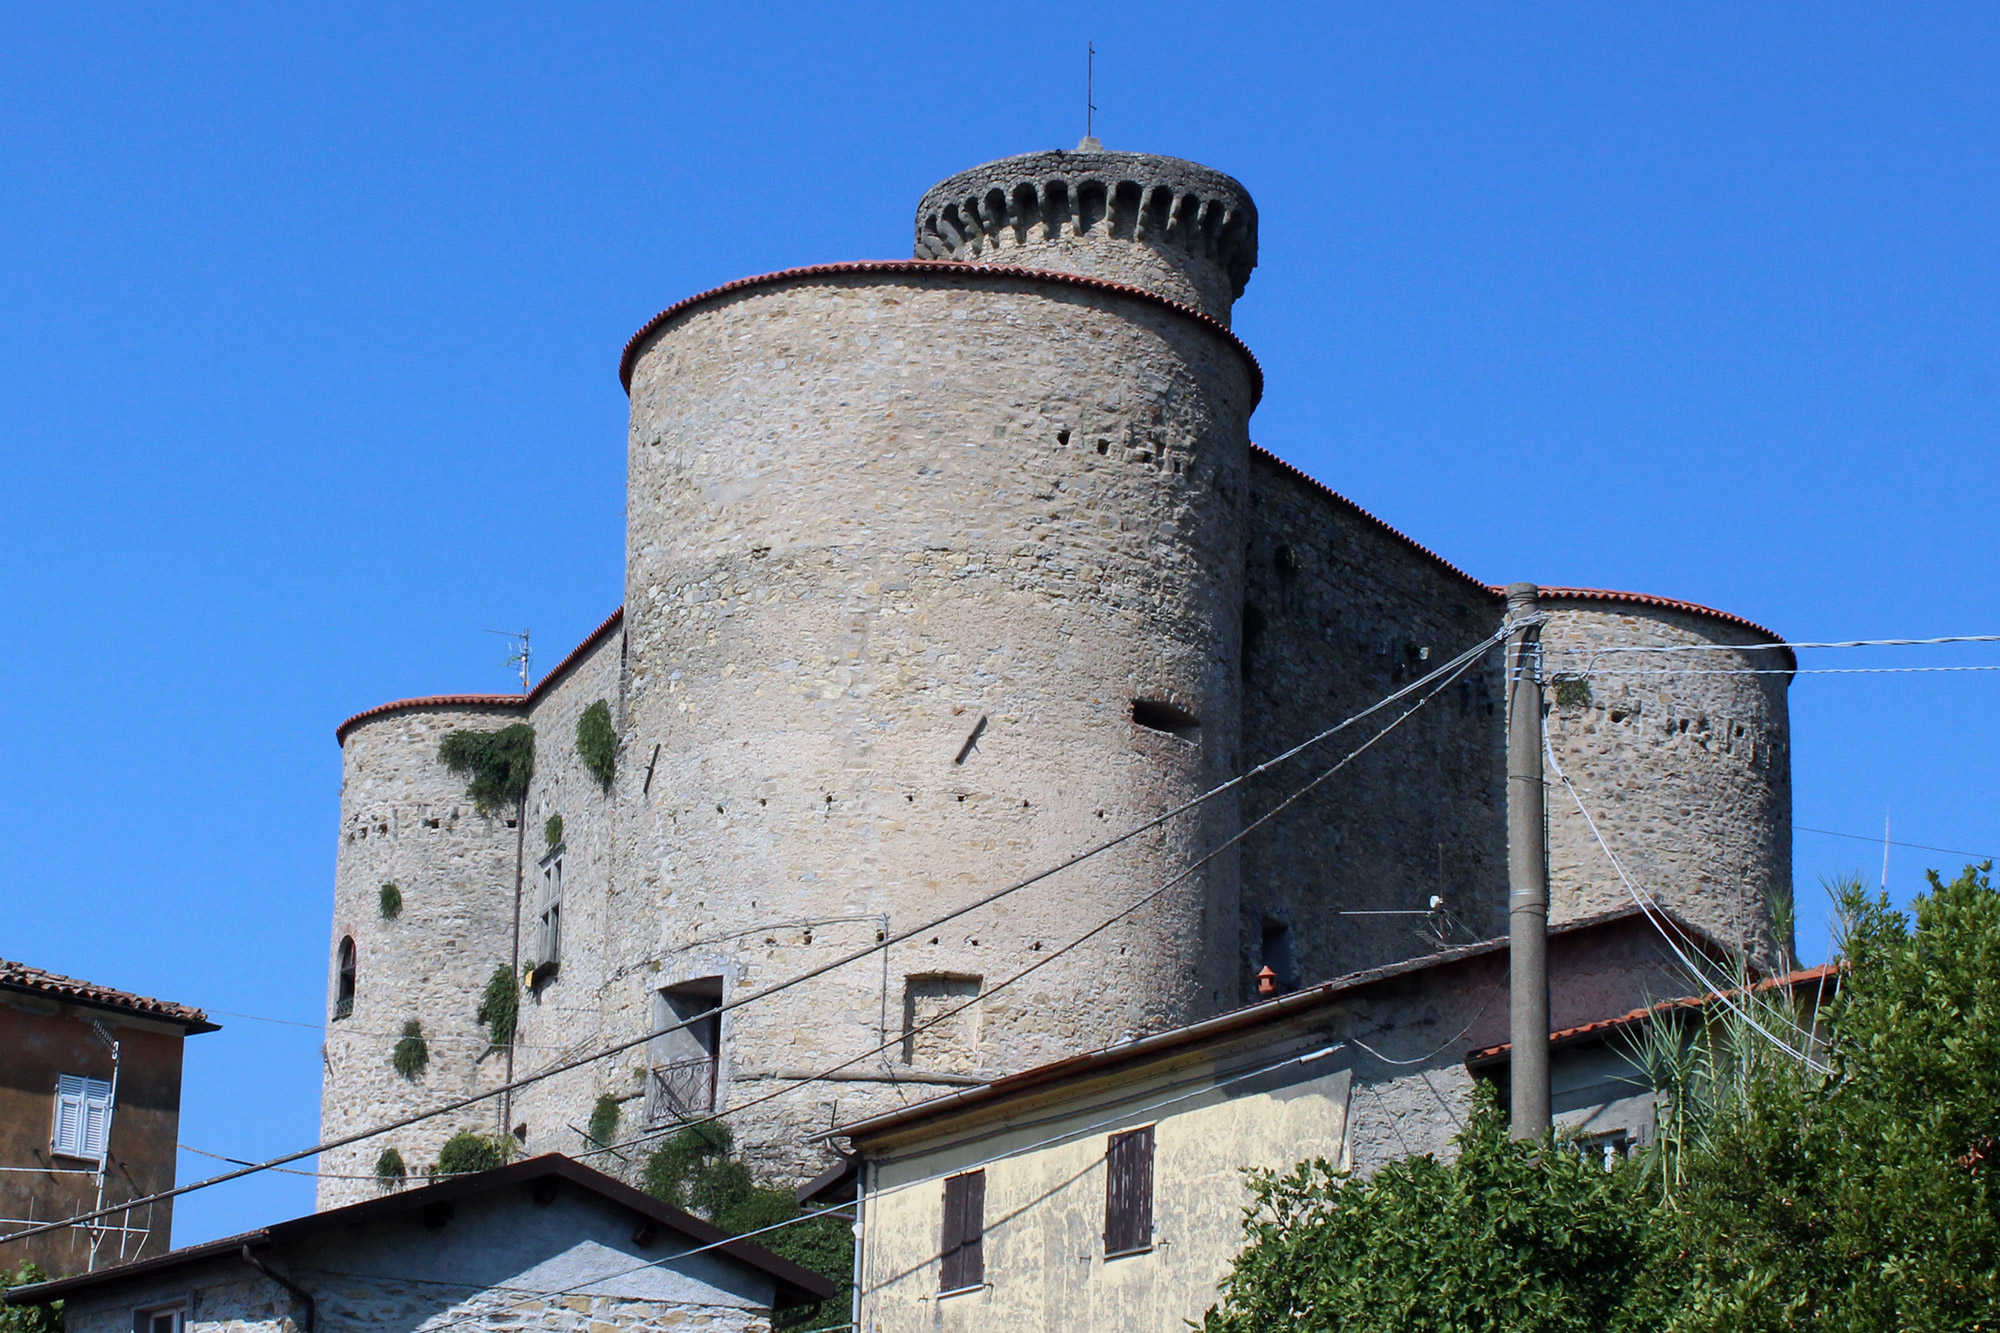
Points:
(795, 1284)
(35, 981)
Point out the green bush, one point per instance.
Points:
(604, 1121)
(500, 1006)
(696, 1169)
(411, 1055)
(552, 832)
(389, 1169)
(29, 1318)
(495, 764)
(597, 743)
(392, 902)
(466, 1152)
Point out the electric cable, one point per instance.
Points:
(1453, 668)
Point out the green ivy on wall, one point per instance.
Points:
(495, 764)
(466, 1152)
(411, 1055)
(500, 1006)
(552, 832)
(389, 1169)
(597, 743)
(604, 1121)
(392, 902)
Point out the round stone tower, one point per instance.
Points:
(1682, 758)
(933, 577)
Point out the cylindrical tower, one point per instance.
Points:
(426, 954)
(1682, 757)
(933, 578)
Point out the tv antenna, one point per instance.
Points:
(521, 657)
(1089, 96)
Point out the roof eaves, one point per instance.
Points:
(26, 980)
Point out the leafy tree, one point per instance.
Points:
(28, 1318)
(1509, 1236)
(495, 764)
(697, 1169)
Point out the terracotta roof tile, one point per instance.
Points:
(36, 981)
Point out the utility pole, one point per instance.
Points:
(1527, 871)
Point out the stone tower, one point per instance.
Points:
(939, 571)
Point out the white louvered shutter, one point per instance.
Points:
(96, 1117)
(68, 1136)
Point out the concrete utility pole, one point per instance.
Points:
(1527, 873)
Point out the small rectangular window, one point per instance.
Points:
(83, 1117)
(1128, 1193)
(548, 911)
(941, 1022)
(964, 1248)
(160, 1319)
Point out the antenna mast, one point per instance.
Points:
(1090, 92)
(521, 657)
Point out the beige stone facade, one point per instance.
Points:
(940, 571)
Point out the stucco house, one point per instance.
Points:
(539, 1244)
(1106, 1191)
(90, 1108)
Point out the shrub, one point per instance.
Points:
(28, 1318)
(500, 1006)
(389, 1169)
(495, 764)
(466, 1152)
(411, 1054)
(597, 743)
(552, 832)
(604, 1121)
(392, 902)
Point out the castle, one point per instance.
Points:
(939, 571)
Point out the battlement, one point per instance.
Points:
(1168, 225)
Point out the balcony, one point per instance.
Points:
(681, 1090)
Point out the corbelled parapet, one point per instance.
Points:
(1170, 226)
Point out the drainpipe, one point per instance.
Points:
(305, 1297)
(860, 1252)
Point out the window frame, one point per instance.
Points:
(346, 977)
(962, 1244)
(1128, 1192)
(144, 1315)
(86, 1094)
(548, 910)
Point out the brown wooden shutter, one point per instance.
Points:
(964, 1248)
(1128, 1193)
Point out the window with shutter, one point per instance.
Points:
(548, 947)
(964, 1248)
(1128, 1193)
(83, 1116)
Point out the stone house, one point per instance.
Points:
(1106, 1191)
(90, 1106)
(540, 1244)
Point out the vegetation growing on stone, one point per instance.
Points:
(389, 1169)
(604, 1121)
(697, 1169)
(392, 902)
(500, 1006)
(597, 743)
(466, 1152)
(495, 764)
(552, 832)
(411, 1054)
(1572, 691)
(1860, 1191)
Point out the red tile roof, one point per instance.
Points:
(1790, 981)
(34, 981)
(507, 701)
(939, 268)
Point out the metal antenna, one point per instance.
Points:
(1090, 91)
(521, 656)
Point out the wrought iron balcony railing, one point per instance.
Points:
(680, 1090)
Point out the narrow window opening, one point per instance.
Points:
(548, 915)
(1128, 1193)
(343, 983)
(1277, 953)
(686, 1052)
(964, 1247)
(1159, 715)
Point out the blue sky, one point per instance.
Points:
(309, 324)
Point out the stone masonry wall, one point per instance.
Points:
(404, 820)
(903, 553)
(1338, 613)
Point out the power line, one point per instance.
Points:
(1778, 671)
(1040, 963)
(1452, 668)
(1583, 651)
(1918, 846)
